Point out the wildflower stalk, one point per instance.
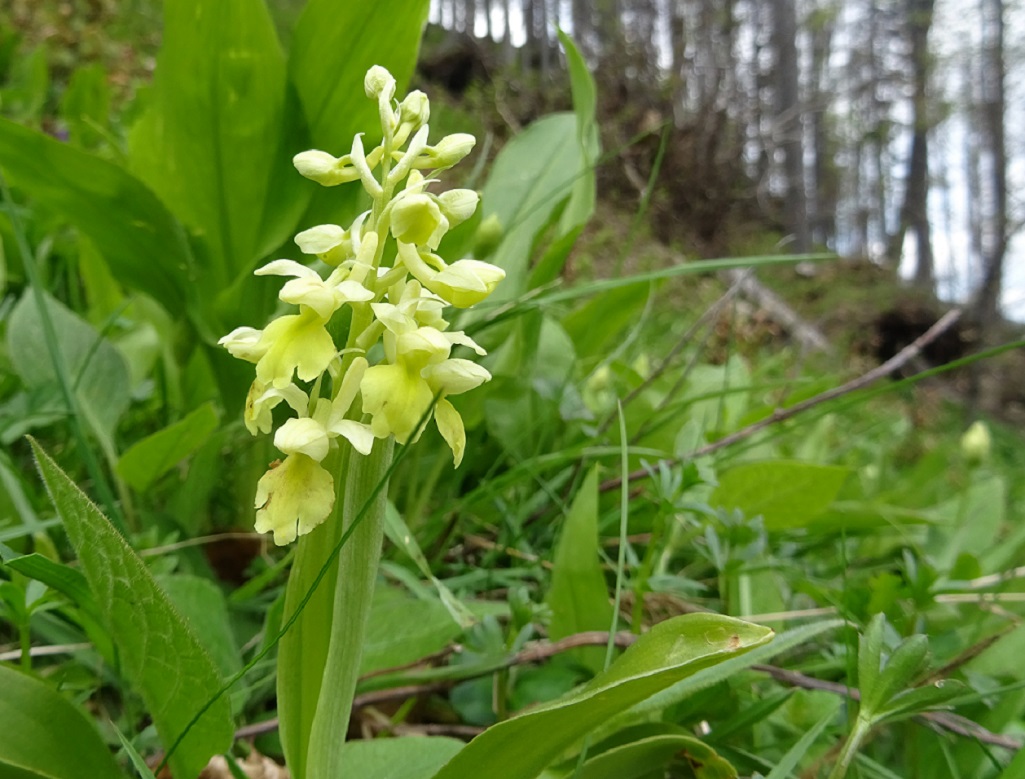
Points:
(359, 560)
(348, 413)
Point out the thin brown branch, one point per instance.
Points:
(899, 360)
(945, 720)
(688, 336)
(532, 653)
(542, 650)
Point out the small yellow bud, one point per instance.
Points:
(415, 110)
(489, 235)
(466, 283)
(447, 152)
(977, 442)
(330, 243)
(458, 205)
(326, 169)
(379, 82)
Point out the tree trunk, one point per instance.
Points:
(987, 306)
(788, 121)
(914, 212)
(825, 172)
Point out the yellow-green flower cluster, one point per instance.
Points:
(384, 269)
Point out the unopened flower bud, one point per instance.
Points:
(324, 168)
(489, 235)
(466, 282)
(415, 109)
(458, 205)
(447, 152)
(977, 442)
(330, 243)
(379, 82)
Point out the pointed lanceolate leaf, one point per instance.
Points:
(579, 596)
(521, 747)
(410, 757)
(159, 653)
(870, 652)
(45, 736)
(902, 666)
(138, 238)
(912, 702)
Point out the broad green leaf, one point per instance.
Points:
(45, 736)
(670, 652)
(94, 367)
(868, 515)
(152, 457)
(139, 239)
(219, 133)
(786, 494)
(579, 594)
(975, 518)
(412, 757)
(203, 604)
(334, 46)
(531, 179)
(393, 639)
(27, 82)
(159, 652)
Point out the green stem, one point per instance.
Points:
(357, 564)
(26, 645)
(303, 649)
(850, 748)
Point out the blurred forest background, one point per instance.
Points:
(880, 129)
(873, 128)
